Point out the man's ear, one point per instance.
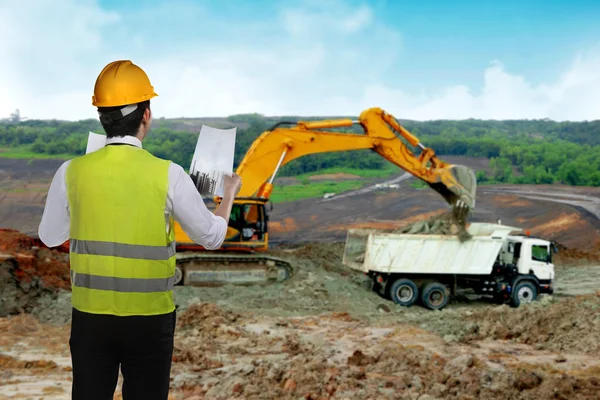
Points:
(147, 115)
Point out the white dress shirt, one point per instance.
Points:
(183, 202)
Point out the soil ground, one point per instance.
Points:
(324, 334)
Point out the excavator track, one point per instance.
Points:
(203, 269)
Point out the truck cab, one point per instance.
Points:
(532, 259)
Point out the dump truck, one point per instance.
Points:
(497, 260)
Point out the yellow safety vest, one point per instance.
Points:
(122, 257)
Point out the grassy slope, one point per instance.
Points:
(24, 153)
(306, 189)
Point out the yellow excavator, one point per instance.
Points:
(242, 259)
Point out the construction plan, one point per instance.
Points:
(213, 159)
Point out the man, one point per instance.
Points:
(117, 206)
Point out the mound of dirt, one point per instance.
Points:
(28, 271)
(568, 325)
(573, 257)
(221, 354)
(450, 223)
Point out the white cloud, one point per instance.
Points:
(326, 16)
(47, 49)
(320, 58)
(573, 96)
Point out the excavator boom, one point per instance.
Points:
(382, 134)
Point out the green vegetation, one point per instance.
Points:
(384, 172)
(520, 151)
(418, 184)
(26, 153)
(305, 191)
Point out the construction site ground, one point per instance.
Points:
(324, 334)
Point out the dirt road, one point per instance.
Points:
(589, 202)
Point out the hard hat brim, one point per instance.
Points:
(121, 103)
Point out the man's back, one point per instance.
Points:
(119, 238)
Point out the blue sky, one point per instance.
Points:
(420, 60)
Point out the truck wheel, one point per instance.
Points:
(435, 296)
(523, 292)
(178, 276)
(404, 292)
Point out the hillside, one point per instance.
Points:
(520, 151)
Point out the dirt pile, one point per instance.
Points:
(451, 223)
(574, 257)
(568, 325)
(221, 354)
(8, 362)
(28, 271)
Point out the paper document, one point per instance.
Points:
(95, 142)
(213, 158)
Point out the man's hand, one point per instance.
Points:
(232, 184)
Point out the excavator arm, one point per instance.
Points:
(382, 134)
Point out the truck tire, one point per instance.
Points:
(435, 296)
(404, 292)
(523, 292)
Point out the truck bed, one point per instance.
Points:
(373, 250)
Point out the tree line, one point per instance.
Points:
(520, 151)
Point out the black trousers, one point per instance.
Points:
(141, 345)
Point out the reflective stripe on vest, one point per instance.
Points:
(124, 285)
(123, 250)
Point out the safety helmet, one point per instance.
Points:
(121, 83)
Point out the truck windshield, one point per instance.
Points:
(540, 253)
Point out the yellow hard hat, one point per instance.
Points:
(121, 83)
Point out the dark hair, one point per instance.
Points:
(115, 124)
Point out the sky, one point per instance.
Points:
(417, 60)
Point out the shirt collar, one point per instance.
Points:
(132, 140)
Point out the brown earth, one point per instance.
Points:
(325, 334)
(23, 188)
(575, 224)
(223, 354)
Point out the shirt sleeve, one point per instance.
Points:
(196, 220)
(54, 227)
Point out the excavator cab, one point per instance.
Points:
(247, 224)
(247, 229)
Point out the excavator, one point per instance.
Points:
(243, 258)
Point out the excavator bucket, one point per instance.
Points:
(457, 184)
